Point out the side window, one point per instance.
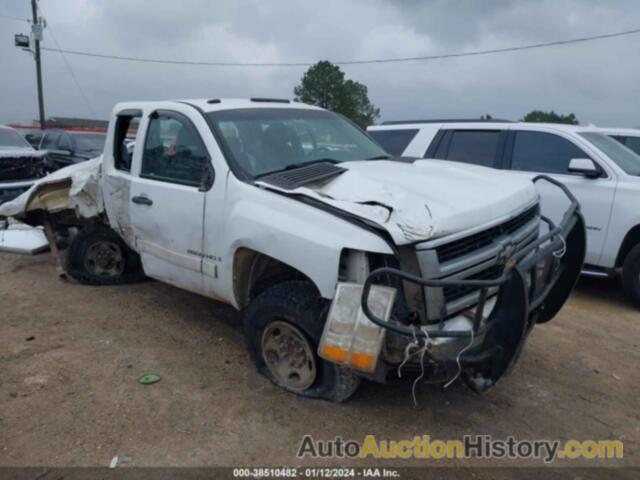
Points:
(49, 141)
(543, 152)
(124, 139)
(634, 144)
(64, 143)
(173, 151)
(393, 141)
(478, 147)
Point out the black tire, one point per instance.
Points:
(299, 304)
(631, 274)
(89, 236)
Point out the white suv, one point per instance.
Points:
(602, 173)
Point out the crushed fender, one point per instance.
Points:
(76, 187)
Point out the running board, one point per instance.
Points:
(594, 272)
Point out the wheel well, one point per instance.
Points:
(631, 239)
(254, 272)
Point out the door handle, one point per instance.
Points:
(140, 200)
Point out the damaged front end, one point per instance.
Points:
(482, 296)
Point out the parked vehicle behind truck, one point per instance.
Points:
(20, 164)
(66, 147)
(603, 174)
(347, 263)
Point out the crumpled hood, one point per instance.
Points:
(85, 194)
(21, 153)
(423, 200)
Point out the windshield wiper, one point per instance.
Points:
(294, 166)
(380, 157)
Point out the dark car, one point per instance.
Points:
(66, 148)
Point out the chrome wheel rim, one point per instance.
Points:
(104, 259)
(288, 356)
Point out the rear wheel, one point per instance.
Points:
(283, 326)
(631, 274)
(98, 256)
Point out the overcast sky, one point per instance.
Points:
(598, 81)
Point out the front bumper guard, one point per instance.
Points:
(536, 281)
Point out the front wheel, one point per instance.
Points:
(631, 274)
(283, 326)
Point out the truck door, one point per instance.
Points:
(531, 153)
(167, 199)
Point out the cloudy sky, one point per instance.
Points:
(598, 81)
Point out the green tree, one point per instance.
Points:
(324, 85)
(539, 116)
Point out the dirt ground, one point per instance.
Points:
(70, 396)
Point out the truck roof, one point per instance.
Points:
(214, 104)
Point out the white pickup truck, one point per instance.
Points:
(346, 263)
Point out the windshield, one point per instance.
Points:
(12, 139)
(265, 140)
(90, 142)
(626, 159)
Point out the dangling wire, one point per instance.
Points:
(562, 250)
(407, 349)
(458, 361)
(422, 352)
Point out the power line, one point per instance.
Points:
(73, 76)
(9, 17)
(353, 62)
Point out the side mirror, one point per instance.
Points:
(208, 176)
(586, 167)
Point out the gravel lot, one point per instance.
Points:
(70, 396)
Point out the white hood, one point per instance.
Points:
(423, 200)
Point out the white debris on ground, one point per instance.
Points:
(16, 237)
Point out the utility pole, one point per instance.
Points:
(37, 35)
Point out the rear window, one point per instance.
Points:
(633, 143)
(543, 152)
(478, 147)
(393, 141)
(626, 158)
